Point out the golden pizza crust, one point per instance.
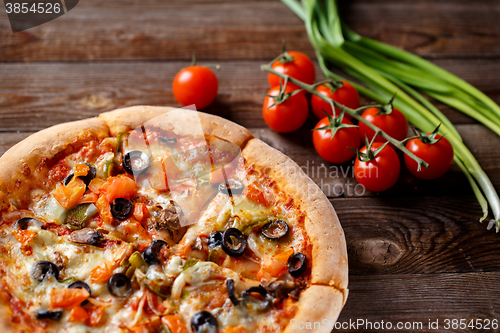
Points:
(183, 122)
(19, 163)
(329, 254)
(4, 202)
(318, 310)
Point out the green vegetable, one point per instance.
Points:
(120, 139)
(190, 263)
(108, 167)
(78, 215)
(385, 69)
(137, 262)
(151, 285)
(215, 254)
(255, 223)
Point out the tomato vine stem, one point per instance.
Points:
(353, 112)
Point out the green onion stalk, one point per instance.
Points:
(385, 70)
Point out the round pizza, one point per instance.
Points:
(156, 219)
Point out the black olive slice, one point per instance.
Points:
(234, 242)
(43, 269)
(231, 186)
(297, 264)
(215, 239)
(168, 141)
(152, 254)
(45, 314)
(119, 285)
(266, 298)
(86, 179)
(121, 208)
(204, 322)
(24, 222)
(232, 292)
(81, 285)
(275, 229)
(136, 162)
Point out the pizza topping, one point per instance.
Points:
(45, 314)
(280, 289)
(275, 229)
(120, 186)
(119, 285)
(204, 322)
(87, 236)
(78, 314)
(81, 285)
(168, 141)
(297, 264)
(234, 242)
(84, 171)
(78, 215)
(121, 208)
(265, 302)
(152, 254)
(67, 298)
(231, 292)
(136, 162)
(173, 324)
(215, 240)
(231, 187)
(26, 222)
(43, 269)
(68, 195)
(168, 220)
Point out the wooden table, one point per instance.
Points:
(416, 252)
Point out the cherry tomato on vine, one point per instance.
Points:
(288, 115)
(196, 85)
(346, 95)
(394, 124)
(438, 154)
(295, 64)
(336, 149)
(380, 173)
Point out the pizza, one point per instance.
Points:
(156, 219)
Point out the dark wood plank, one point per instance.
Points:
(420, 298)
(245, 30)
(35, 96)
(112, 30)
(432, 29)
(423, 235)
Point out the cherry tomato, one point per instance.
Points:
(382, 172)
(438, 155)
(335, 150)
(196, 85)
(346, 95)
(287, 116)
(301, 68)
(394, 124)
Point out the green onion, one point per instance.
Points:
(385, 69)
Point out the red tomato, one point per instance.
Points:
(346, 95)
(394, 124)
(382, 172)
(438, 155)
(335, 150)
(301, 68)
(196, 85)
(287, 116)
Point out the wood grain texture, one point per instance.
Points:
(35, 96)
(420, 298)
(423, 235)
(125, 30)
